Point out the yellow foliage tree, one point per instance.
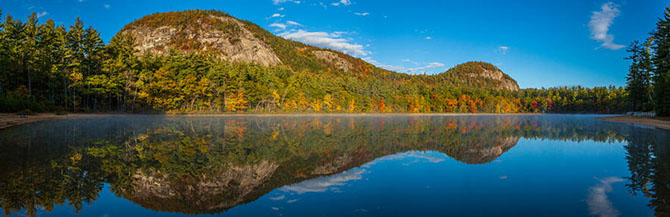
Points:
(352, 105)
(237, 102)
(328, 102)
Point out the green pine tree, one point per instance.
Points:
(661, 62)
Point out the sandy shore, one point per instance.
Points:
(662, 124)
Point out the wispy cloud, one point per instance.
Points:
(280, 197)
(428, 37)
(409, 70)
(429, 156)
(323, 184)
(280, 9)
(361, 13)
(277, 15)
(598, 202)
(293, 23)
(278, 25)
(283, 26)
(503, 49)
(41, 14)
(342, 2)
(107, 6)
(328, 40)
(600, 24)
(276, 2)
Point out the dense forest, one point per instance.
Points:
(44, 67)
(648, 78)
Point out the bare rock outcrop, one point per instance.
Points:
(497, 75)
(200, 195)
(333, 166)
(228, 38)
(484, 153)
(334, 59)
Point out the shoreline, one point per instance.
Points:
(11, 119)
(661, 124)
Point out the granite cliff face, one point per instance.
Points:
(497, 75)
(219, 34)
(485, 75)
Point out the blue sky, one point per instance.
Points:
(539, 43)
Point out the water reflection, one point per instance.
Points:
(198, 165)
(648, 156)
(598, 201)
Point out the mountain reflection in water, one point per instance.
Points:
(198, 165)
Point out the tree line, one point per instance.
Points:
(648, 79)
(44, 67)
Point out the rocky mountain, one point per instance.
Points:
(483, 74)
(218, 33)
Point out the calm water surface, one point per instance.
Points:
(394, 165)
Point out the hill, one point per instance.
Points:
(219, 34)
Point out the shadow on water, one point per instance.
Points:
(198, 165)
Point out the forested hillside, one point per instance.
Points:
(208, 61)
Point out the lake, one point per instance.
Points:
(335, 165)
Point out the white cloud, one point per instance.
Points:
(327, 40)
(429, 156)
(276, 2)
(41, 14)
(293, 23)
(107, 6)
(409, 70)
(280, 197)
(341, 2)
(361, 13)
(428, 37)
(598, 202)
(278, 25)
(277, 15)
(323, 184)
(280, 9)
(423, 68)
(338, 34)
(282, 26)
(503, 49)
(418, 69)
(600, 24)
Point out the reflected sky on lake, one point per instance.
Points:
(372, 165)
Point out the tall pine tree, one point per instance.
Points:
(639, 85)
(661, 62)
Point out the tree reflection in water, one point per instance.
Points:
(200, 165)
(648, 157)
